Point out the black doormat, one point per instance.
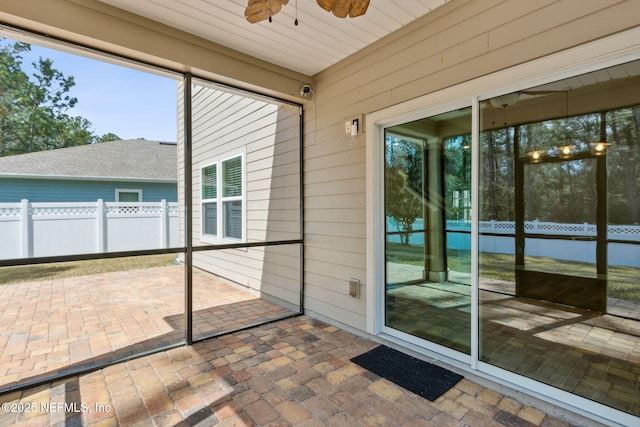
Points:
(420, 377)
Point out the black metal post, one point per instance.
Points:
(301, 183)
(601, 226)
(518, 208)
(188, 212)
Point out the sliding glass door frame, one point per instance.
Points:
(614, 50)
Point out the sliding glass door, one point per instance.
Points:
(554, 298)
(559, 289)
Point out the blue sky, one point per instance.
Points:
(116, 99)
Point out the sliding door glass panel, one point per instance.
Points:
(559, 254)
(427, 228)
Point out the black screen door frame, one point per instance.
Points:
(580, 292)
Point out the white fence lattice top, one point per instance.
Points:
(55, 210)
(70, 209)
(9, 211)
(133, 208)
(624, 232)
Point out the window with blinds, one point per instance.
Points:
(222, 211)
(232, 181)
(209, 185)
(232, 197)
(210, 218)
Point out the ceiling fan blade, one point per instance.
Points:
(326, 4)
(276, 5)
(259, 10)
(256, 6)
(344, 8)
(358, 8)
(341, 8)
(261, 15)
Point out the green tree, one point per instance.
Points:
(73, 131)
(564, 191)
(403, 192)
(457, 175)
(623, 130)
(12, 98)
(48, 100)
(34, 109)
(108, 137)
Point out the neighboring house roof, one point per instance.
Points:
(130, 160)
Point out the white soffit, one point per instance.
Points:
(317, 42)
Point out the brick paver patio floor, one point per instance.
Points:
(62, 325)
(293, 372)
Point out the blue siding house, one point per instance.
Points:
(117, 171)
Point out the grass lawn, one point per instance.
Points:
(624, 282)
(31, 273)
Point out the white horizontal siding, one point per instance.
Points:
(273, 272)
(457, 42)
(285, 204)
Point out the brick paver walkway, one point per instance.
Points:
(294, 372)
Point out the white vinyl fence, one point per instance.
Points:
(459, 237)
(52, 229)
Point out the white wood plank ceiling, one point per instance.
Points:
(317, 42)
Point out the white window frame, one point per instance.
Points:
(220, 200)
(128, 190)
